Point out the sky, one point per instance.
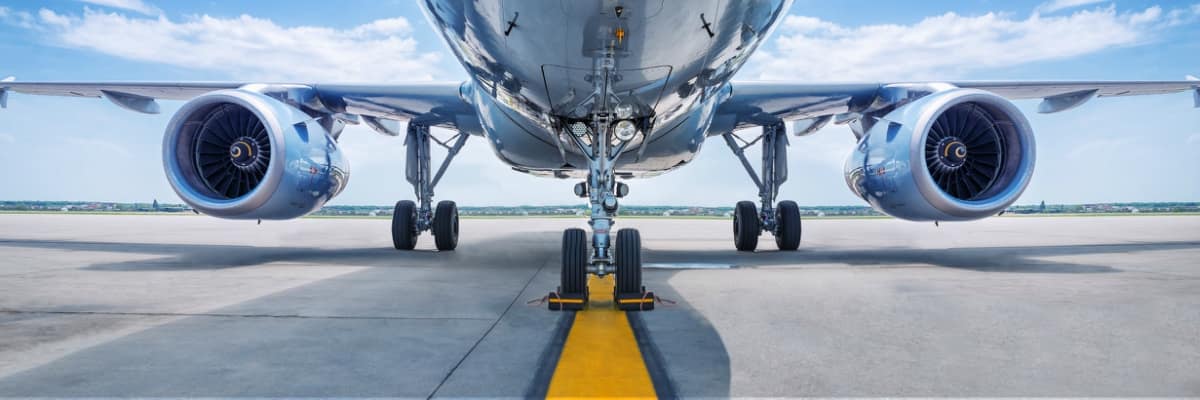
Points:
(1109, 150)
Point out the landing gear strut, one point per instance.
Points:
(410, 218)
(622, 257)
(603, 126)
(782, 219)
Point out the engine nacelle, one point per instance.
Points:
(240, 154)
(954, 155)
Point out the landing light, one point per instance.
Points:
(625, 130)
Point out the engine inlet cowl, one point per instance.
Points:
(958, 154)
(240, 154)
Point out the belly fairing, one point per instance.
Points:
(533, 65)
(531, 148)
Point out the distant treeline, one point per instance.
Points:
(581, 209)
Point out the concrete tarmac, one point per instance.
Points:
(107, 305)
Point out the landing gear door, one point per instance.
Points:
(574, 95)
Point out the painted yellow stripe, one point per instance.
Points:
(601, 357)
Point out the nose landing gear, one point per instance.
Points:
(628, 293)
(623, 256)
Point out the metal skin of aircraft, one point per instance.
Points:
(601, 91)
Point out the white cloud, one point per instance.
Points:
(132, 5)
(16, 18)
(1056, 5)
(948, 45)
(54, 20)
(7, 138)
(249, 48)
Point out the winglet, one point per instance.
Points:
(4, 91)
(1195, 90)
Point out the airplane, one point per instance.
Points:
(601, 91)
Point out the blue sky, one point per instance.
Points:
(1128, 149)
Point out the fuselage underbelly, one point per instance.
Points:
(534, 63)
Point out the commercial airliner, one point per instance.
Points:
(601, 91)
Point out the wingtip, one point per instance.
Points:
(4, 91)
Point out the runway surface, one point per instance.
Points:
(192, 306)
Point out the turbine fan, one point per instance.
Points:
(964, 151)
(232, 151)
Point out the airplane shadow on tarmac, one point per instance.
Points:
(213, 257)
(1023, 259)
(220, 353)
(684, 344)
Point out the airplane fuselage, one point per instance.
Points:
(537, 67)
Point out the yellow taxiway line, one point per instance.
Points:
(601, 356)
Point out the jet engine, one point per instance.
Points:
(240, 154)
(953, 155)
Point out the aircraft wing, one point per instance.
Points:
(763, 103)
(434, 104)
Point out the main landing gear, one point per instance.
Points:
(782, 219)
(410, 218)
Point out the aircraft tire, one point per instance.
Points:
(574, 261)
(629, 261)
(445, 225)
(787, 225)
(404, 225)
(746, 226)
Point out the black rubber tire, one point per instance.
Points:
(787, 225)
(445, 225)
(629, 261)
(574, 261)
(746, 226)
(404, 225)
